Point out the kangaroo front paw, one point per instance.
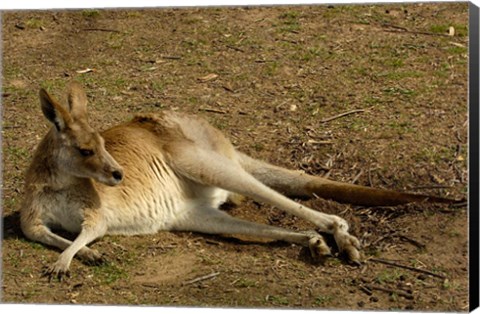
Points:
(347, 244)
(56, 271)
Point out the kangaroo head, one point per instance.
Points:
(79, 149)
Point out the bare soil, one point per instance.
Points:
(269, 77)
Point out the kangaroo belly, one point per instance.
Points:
(152, 197)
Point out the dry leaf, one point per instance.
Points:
(438, 179)
(208, 77)
(451, 31)
(87, 70)
(228, 87)
(458, 44)
(313, 142)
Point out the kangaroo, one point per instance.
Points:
(165, 172)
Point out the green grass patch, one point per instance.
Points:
(271, 68)
(289, 21)
(258, 147)
(109, 272)
(389, 276)
(245, 283)
(87, 79)
(17, 154)
(313, 53)
(322, 300)
(435, 156)
(357, 124)
(399, 75)
(157, 86)
(34, 23)
(193, 44)
(10, 202)
(53, 85)
(372, 100)
(395, 63)
(399, 91)
(401, 126)
(90, 13)
(115, 41)
(461, 30)
(457, 50)
(278, 300)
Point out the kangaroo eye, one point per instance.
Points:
(86, 152)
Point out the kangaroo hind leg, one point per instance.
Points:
(209, 220)
(213, 169)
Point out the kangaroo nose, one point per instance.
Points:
(117, 175)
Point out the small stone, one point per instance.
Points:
(361, 303)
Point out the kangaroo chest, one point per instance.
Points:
(62, 209)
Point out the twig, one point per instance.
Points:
(172, 57)
(432, 187)
(407, 31)
(212, 110)
(100, 30)
(357, 176)
(11, 127)
(398, 292)
(235, 48)
(390, 235)
(416, 32)
(382, 261)
(289, 41)
(414, 242)
(448, 211)
(342, 115)
(313, 142)
(395, 26)
(366, 290)
(201, 278)
(208, 241)
(462, 204)
(370, 176)
(458, 136)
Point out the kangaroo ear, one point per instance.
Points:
(77, 101)
(53, 111)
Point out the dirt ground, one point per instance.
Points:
(275, 80)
